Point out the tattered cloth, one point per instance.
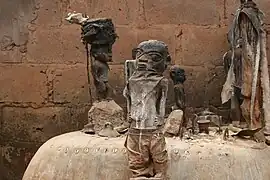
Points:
(247, 26)
(254, 16)
(99, 31)
(142, 88)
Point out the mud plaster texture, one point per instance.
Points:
(43, 68)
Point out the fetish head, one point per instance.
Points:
(177, 74)
(100, 33)
(153, 55)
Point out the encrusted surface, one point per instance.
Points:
(43, 63)
(79, 156)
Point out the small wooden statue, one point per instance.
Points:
(174, 122)
(178, 76)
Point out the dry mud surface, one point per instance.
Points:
(79, 156)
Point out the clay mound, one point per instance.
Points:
(78, 156)
(106, 111)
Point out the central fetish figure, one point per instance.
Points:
(146, 93)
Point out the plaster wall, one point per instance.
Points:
(43, 63)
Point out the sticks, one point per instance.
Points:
(88, 73)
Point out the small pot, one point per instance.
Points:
(204, 126)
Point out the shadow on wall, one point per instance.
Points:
(15, 24)
(23, 130)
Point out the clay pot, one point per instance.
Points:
(203, 126)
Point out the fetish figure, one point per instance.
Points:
(175, 122)
(254, 84)
(100, 34)
(146, 93)
(99, 69)
(178, 76)
(236, 99)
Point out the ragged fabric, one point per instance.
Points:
(247, 26)
(144, 88)
(147, 154)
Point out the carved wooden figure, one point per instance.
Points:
(100, 34)
(178, 76)
(146, 93)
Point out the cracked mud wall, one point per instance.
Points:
(43, 71)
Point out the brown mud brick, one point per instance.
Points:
(122, 48)
(21, 13)
(182, 12)
(50, 13)
(45, 47)
(78, 6)
(216, 79)
(12, 56)
(195, 86)
(61, 45)
(200, 46)
(232, 6)
(38, 125)
(13, 29)
(165, 33)
(73, 49)
(122, 12)
(22, 83)
(15, 158)
(70, 84)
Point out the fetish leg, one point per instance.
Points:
(235, 111)
(138, 155)
(109, 91)
(159, 155)
(98, 72)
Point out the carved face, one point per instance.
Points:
(102, 52)
(156, 61)
(153, 55)
(177, 74)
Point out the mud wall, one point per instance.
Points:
(43, 65)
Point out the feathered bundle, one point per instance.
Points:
(99, 31)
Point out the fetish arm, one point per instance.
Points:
(127, 96)
(164, 90)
